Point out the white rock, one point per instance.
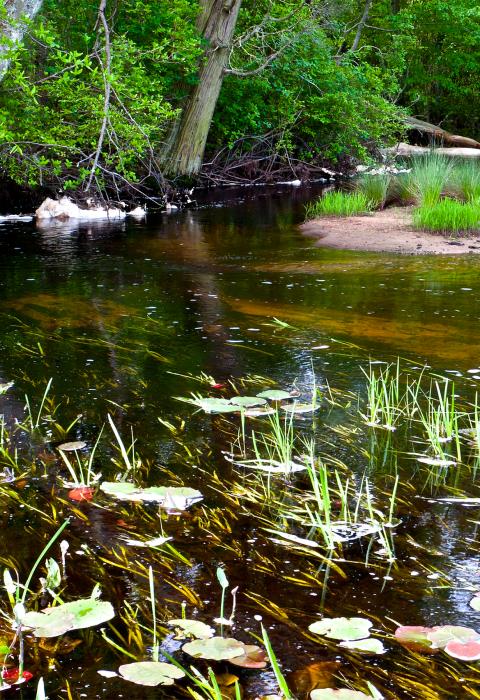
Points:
(137, 213)
(66, 209)
(292, 183)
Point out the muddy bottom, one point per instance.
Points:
(389, 231)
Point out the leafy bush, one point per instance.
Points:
(340, 204)
(448, 216)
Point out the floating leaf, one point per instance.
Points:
(440, 636)
(274, 395)
(216, 648)
(248, 401)
(319, 674)
(259, 412)
(214, 405)
(155, 542)
(344, 628)
(169, 497)
(414, 637)
(196, 628)
(367, 646)
(72, 446)
(78, 614)
(108, 674)
(475, 603)
(150, 673)
(300, 408)
(340, 694)
(464, 651)
(254, 657)
(81, 493)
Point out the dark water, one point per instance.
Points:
(118, 316)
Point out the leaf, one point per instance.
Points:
(169, 497)
(214, 405)
(344, 628)
(274, 395)
(475, 603)
(82, 493)
(216, 648)
(300, 408)
(150, 673)
(72, 446)
(464, 651)
(196, 628)
(440, 636)
(54, 576)
(319, 674)
(248, 401)
(78, 614)
(367, 646)
(155, 542)
(340, 694)
(414, 637)
(222, 578)
(254, 657)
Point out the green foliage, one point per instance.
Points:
(375, 188)
(340, 204)
(464, 181)
(428, 179)
(448, 216)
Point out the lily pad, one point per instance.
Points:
(367, 646)
(274, 394)
(300, 408)
(344, 628)
(72, 446)
(247, 401)
(414, 637)
(440, 636)
(170, 497)
(340, 694)
(216, 648)
(151, 673)
(213, 405)
(464, 651)
(475, 603)
(254, 657)
(196, 628)
(78, 614)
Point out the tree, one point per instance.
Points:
(14, 16)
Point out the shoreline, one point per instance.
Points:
(387, 231)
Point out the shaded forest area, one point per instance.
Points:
(124, 98)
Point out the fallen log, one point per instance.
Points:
(439, 134)
(405, 149)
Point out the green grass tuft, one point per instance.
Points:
(448, 215)
(375, 188)
(428, 179)
(340, 204)
(464, 181)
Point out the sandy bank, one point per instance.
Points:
(389, 231)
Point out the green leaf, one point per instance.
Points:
(247, 401)
(222, 579)
(367, 646)
(274, 395)
(78, 614)
(344, 628)
(196, 628)
(216, 648)
(151, 673)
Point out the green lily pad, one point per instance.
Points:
(76, 615)
(170, 497)
(274, 395)
(300, 408)
(475, 603)
(72, 446)
(344, 628)
(196, 628)
(340, 694)
(366, 646)
(440, 636)
(216, 648)
(150, 673)
(247, 401)
(212, 405)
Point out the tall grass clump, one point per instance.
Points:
(448, 215)
(427, 179)
(375, 188)
(465, 181)
(340, 204)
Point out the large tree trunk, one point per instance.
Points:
(13, 27)
(183, 153)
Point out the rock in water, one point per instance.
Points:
(64, 209)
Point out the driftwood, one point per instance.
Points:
(438, 134)
(405, 149)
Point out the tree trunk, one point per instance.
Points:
(13, 27)
(183, 153)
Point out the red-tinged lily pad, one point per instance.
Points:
(254, 657)
(464, 651)
(440, 636)
(82, 493)
(340, 694)
(414, 637)
(12, 675)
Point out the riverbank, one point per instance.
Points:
(389, 230)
